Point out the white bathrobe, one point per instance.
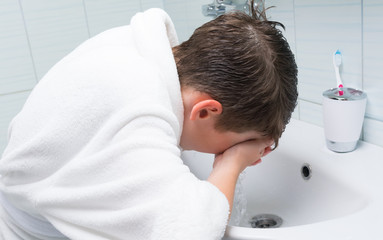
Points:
(94, 153)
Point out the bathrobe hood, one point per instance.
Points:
(95, 149)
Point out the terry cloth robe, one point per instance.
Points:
(94, 153)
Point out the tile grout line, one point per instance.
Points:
(86, 17)
(28, 41)
(15, 92)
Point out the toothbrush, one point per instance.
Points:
(337, 60)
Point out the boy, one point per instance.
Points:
(95, 151)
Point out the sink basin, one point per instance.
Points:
(317, 193)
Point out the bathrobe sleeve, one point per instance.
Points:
(95, 152)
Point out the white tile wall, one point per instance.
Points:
(372, 69)
(35, 34)
(16, 65)
(54, 29)
(195, 20)
(178, 11)
(310, 112)
(373, 57)
(146, 4)
(321, 28)
(105, 14)
(372, 131)
(283, 11)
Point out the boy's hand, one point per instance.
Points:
(229, 164)
(242, 155)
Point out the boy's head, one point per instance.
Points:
(245, 64)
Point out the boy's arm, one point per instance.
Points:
(228, 165)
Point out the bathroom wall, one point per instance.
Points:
(35, 34)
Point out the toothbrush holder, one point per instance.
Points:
(343, 116)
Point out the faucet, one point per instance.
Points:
(219, 7)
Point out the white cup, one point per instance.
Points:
(343, 116)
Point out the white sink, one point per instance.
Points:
(342, 199)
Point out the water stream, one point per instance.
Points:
(238, 214)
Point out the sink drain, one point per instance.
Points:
(266, 221)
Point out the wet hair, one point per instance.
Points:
(245, 63)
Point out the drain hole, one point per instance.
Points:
(266, 221)
(306, 171)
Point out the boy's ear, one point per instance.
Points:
(205, 108)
